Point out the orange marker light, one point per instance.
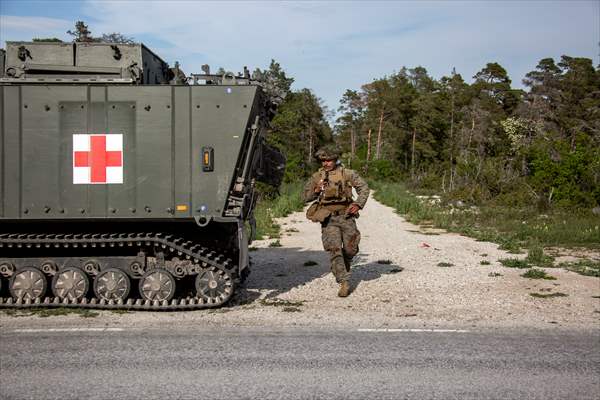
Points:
(208, 162)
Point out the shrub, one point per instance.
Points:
(535, 273)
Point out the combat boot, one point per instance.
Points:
(344, 289)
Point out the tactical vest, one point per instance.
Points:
(338, 189)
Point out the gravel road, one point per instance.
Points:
(411, 291)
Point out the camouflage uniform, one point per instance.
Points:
(338, 231)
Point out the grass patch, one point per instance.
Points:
(512, 246)
(292, 230)
(11, 312)
(384, 262)
(535, 273)
(536, 256)
(252, 248)
(310, 263)
(281, 303)
(514, 263)
(276, 243)
(445, 264)
(51, 312)
(547, 295)
(583, 267)
(494, 274)
(272, 205)
(512, 228)
(485, 262)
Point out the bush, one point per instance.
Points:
(567, 175)
(276, 204)
(535, 273)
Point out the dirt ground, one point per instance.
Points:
(402, 278)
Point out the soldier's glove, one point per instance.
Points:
(353, 209)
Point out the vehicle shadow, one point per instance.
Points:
(278, 270)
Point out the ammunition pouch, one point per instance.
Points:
(338, 189)
(331, 192)
(317, 213)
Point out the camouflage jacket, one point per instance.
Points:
(350, 177)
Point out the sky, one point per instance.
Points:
(330, 46)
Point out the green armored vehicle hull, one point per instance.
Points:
(115, 193)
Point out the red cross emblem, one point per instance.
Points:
(97, 159)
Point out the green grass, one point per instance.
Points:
(272, 206)
(51, 312)
(514, 263)
(536, 256)
(276, 243)
(583, 267)
(485, 262)
(535, 273)
(445, 264)
(512, 228)
(494, 274)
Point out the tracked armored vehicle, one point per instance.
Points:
(123, 182)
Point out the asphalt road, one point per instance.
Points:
(253, 364)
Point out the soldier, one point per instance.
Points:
(336, 210)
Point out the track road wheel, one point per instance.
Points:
(112, 284)
(157, 284)
(214, 285)
(70, 283)
(28, 283)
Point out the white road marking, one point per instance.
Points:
(68, 330)
(414, 330)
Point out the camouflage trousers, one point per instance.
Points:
(340, 239)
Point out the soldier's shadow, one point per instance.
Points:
(280, 270)
(363, 271)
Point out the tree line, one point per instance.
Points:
(483, 141)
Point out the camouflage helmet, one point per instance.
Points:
(327, 153)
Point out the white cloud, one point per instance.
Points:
(338, 45)
(332, 46)
(23, 28)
